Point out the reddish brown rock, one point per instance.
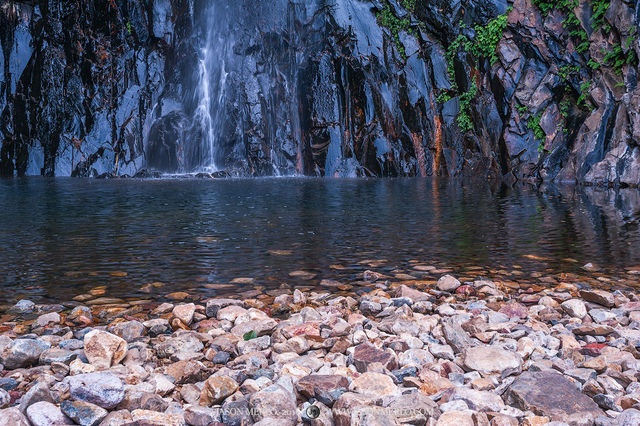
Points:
(600, 297)
(366, 354)
(547, 393)
(315, 384)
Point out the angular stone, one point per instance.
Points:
(411, 293)
(52, 355)
(365, 354)
(575, 307)
(214, 305)
(102, 389)
(195, 415)
(117, 418)
(316, 384)
(129, 330)
(593, 330)
(83, 413)
(46, 414)
(154, 418)
(5, 398)
(104, 350)
(184, 312)
(22, 352)
(274, 402)
(433, 383)
(547, 393)
(455, 336)
(348, 404)
(156, 326)
(415, 357)
(489, 360)
(186, 371)
(308, 330)
(260, 327)
(629, 417)
(46, 319)
(236, 413)
(448, 283)
(216, 389)
(373, 384)
(38, 392)
(180, 346)
(475, 400)
(441, 351)
(414, 408)
(598, 296)
(456, 418)
(22, 307)
(514, 310)
(13, 417)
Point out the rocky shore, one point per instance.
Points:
(446, 353)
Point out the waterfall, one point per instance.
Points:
(211, 87)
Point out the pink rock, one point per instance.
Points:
(514, 310)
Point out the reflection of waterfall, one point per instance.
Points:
(212, 78)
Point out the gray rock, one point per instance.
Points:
(102, 389)
(538, 392)
(214, 305)
(83, 413)
(575, 307)
(46, 319)
(274, 402)
(489, 359)
(38, 392)
(5, 398)
(201, 416)
(13, 417)
(129, 330)
(448, 283)
(455, 336)
(23, 307)
(46, 414)
(475, 400)
(23, 352)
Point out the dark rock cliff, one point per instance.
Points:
(324, 87)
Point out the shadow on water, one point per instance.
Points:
(63, 237)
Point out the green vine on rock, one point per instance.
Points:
(483, 45)
(534, 125)
(395, 25)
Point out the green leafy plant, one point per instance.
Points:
(129, 30)
(534, 125)
(482, 45)
(584, 91)
(464, 116)
(395, 25)
(250, 335)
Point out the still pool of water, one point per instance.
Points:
(60, 238)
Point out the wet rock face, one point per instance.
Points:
(314, 88)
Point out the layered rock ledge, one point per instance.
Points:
(449, 353)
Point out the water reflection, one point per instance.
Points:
(60, 238)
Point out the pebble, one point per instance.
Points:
(395, 355)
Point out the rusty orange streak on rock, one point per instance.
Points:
(437, 138)
(417, 146)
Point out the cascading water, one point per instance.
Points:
(211, 88)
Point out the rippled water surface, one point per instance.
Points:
(61, 238)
